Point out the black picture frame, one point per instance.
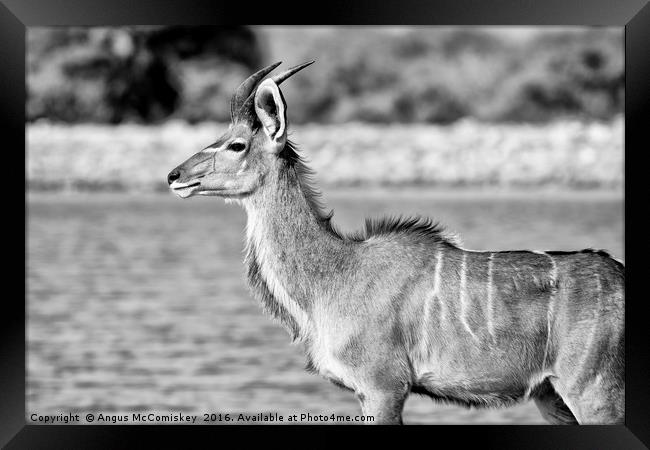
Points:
(633, 15)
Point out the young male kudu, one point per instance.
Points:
(400, 307)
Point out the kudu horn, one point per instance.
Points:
(248, 86)
(278, 79)
(246, 109)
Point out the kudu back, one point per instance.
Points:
(400, 307)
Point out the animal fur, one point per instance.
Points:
(400, 307)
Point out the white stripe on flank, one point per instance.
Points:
(594, 328)
(551, 307)
(427, 306)
(490, 298)
(463, 295)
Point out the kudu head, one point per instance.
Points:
(234, 167)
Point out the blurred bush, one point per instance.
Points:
(575, 74)
(113, 75)
(561, 154)
(371, 74)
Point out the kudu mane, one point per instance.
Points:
(417, 226)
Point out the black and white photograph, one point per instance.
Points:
(325, 225)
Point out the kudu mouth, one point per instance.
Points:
(180, 186)
(185, 189)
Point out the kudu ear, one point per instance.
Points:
(272, 112)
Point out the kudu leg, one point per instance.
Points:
(593, 385)
(598, 402)
(552, 407)
(385, 407)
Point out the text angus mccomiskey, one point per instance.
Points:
(188, 419)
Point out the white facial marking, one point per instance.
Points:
(211, 150)
(242, 167)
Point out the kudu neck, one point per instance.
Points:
(290, 248)
(283, 205)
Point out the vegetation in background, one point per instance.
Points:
(370, 74)
(567, 154)
(145, 74)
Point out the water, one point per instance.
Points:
(139, 303)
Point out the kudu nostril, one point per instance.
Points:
(173, 176)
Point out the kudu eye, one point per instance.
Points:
(237, 146)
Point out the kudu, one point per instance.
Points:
(400, 307)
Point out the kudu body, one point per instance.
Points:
(399, 307)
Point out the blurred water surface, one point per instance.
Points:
(139, 303)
